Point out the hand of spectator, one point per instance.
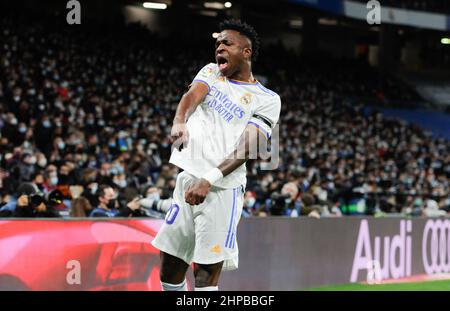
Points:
(134, 204)
(179, 135)
(41, 208)
(314, 214)
(22, 201)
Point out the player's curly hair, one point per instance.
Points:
(244, 29)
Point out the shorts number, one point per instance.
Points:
(172, 214)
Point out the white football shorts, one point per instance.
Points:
(205, 233)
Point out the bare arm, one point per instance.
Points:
(190, 101)
(247, 144)
(185, 108)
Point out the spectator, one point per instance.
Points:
(30, 203)
(98, 116)
(108, 205)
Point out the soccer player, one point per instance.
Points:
(223, 115)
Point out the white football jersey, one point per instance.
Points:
(218, 122)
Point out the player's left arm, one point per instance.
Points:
(258, 128)
(249, 140)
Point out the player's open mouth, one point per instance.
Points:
(222, 62)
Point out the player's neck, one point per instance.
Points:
(243, 76)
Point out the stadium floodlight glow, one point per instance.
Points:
(154, 5)
(445, 40)
(214, 5)
(228, 5)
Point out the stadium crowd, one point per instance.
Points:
(85, 117)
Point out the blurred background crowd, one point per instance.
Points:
(85, 120)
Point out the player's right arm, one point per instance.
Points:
(188, 103)
(200, 87)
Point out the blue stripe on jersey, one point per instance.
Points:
(262, 88)
(204, 82)
(241, 82)
(260, 128)
(231, 220)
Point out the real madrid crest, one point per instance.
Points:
(246, 99)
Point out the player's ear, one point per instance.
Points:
(247, 53)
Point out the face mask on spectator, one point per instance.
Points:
(323, 195)
(111, 204)
(122, 183)
(13, 121)
(250, 202)
(31, 160)
(61, 145)
(46, 124)
(120, 168)
(113, 171)
(53, 180)
(42, 162)
(22, 129)
(94, 187)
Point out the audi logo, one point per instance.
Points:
(436, 246)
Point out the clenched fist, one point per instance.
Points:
(197, 193)
(179, 135)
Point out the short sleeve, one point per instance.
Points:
(266, 116)
(207, 75)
